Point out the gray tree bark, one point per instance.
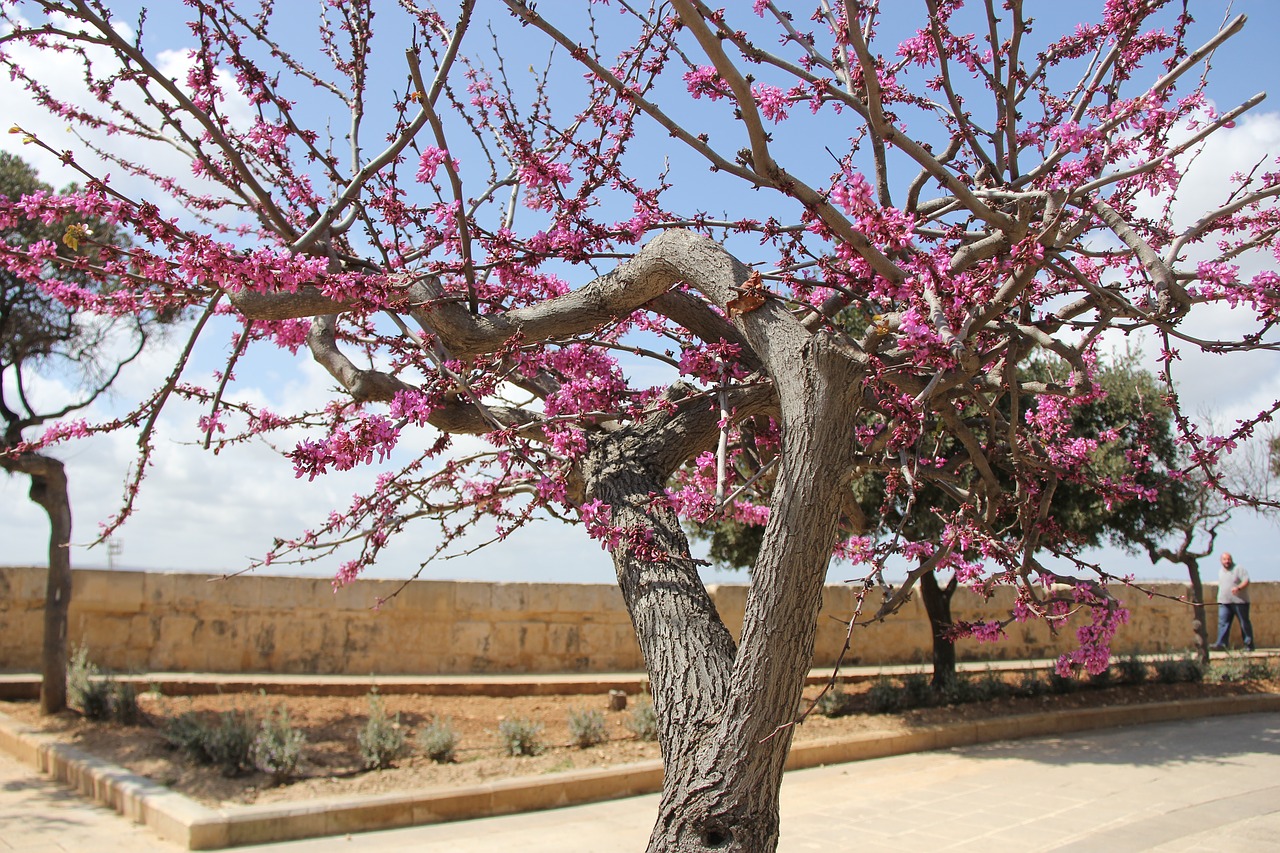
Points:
(49, 491)
(725, 715)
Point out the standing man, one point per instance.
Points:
(1233, 603)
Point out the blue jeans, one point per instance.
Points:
(1228, 613)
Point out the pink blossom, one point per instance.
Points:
(705, 80)
(772, 101)
(430, 161)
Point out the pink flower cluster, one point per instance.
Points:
(345, 448)
(431, 160)
(597, 516)
(705, 80)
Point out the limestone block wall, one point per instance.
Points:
(144, 621)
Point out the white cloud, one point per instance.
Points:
(63, 73)
(1238, 385)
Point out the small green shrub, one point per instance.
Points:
(381, 740)
(834, 703)
(643, 722)
(439, 741)
(953, 691)
(884, 697)
(1133, 669)
(185, 733)
(123, 699)
(277, 747)
(973, 688)
(917, 692)
(1178, 670)
(521, 737)
(226, 744)
(231, 742)
(1102, 679)
(989, 685)
(587, 728)
(1059, 684)
(1030, 684)
(1235, 668)
(87, 691)
(95, 701)
(97, 694)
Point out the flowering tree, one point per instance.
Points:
(533, 260)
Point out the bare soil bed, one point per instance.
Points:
(331, 766)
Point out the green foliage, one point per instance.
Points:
(834, 703)
(731, 544)
(123, 702)
(990, 685)
(643, 722)
(884, 696)
(277, 748)
(438, 741)
(97, 694)
(85, 687)
(1133, 670)
(36, 330)
(1179, 669)
(232, 741)
(1031, 684)
(381, 739)
(226, 743)
(521, 737)
(185, 734)
(587, 728)
(1059, 684)
(1106, 678)
(972, 688)
(1235, 668)
(917, 691)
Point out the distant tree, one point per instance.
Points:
(1189, 541)
(40, 336)
(1192, 506)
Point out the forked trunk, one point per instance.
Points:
(725, 717)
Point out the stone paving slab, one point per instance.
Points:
(39, 815)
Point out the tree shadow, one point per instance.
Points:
(52, 809)
(1214, 740)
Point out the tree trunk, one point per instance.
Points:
(937, 603)
(49, 490)
(1200, 626)
(725, 716)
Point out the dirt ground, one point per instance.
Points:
(331, 765)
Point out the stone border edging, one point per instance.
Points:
(181, 820)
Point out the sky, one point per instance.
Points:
(204, 513)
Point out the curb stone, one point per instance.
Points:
(181, 820)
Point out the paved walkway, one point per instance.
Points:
(1203, 785)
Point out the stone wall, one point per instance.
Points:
(158, 622)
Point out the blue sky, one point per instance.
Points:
(204, 513)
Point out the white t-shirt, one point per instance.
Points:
(1228, 578)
